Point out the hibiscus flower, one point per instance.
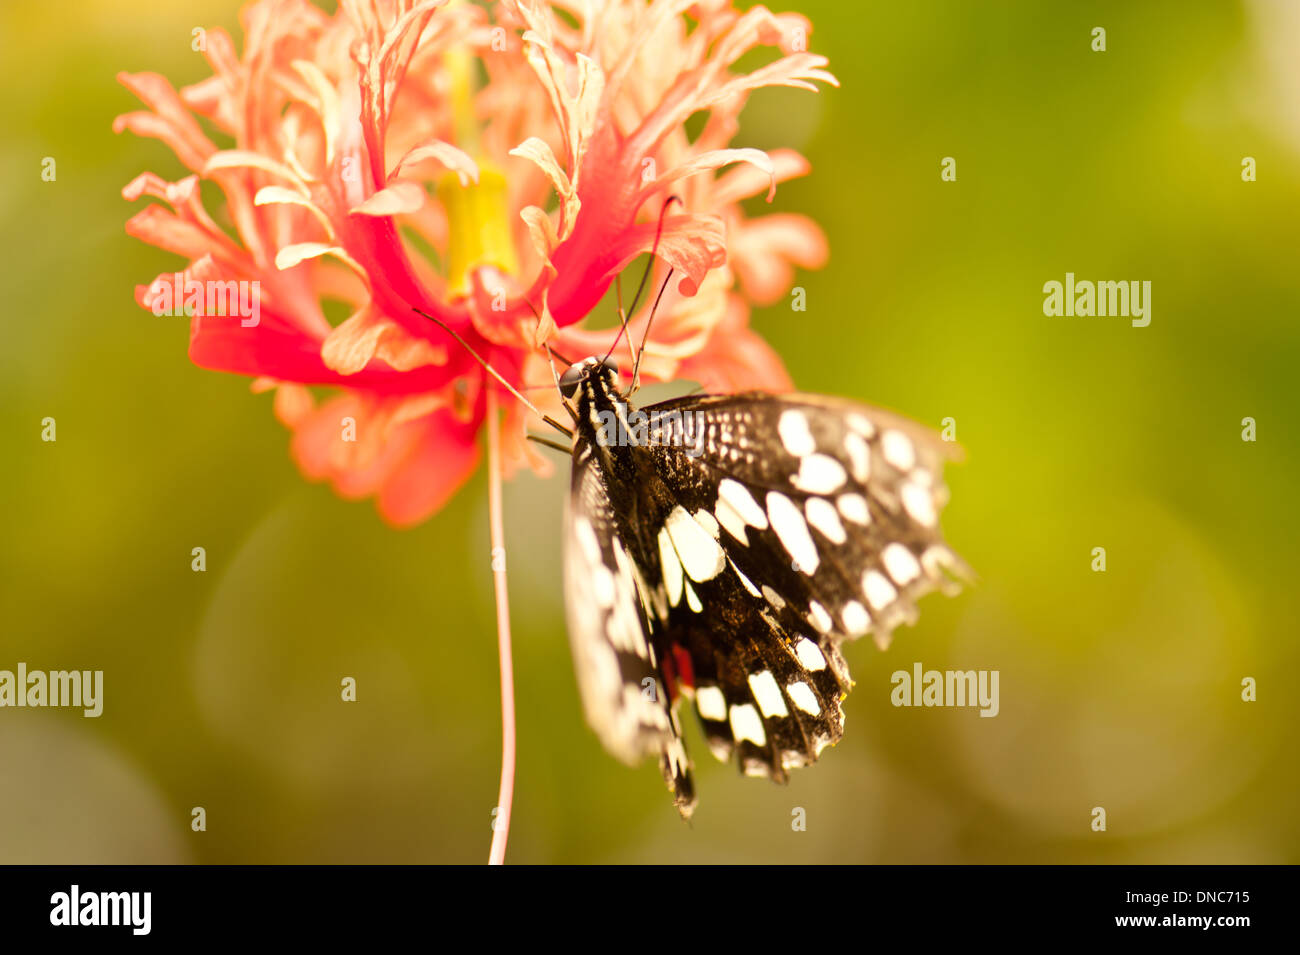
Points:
(494, 168)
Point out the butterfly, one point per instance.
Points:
(718, 552)
(720, 549)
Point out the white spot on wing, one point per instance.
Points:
(880, 592)
(821, 515)
(819, 474)
(793, 759)
(701, 556)
(900, 563)
(859, 456)
(729, 518)
(711, 703)
(737, 507)
(792, 426)
(918, 502)
(792, 531)
(672, 568)
(809, 655)
(897, 449)
(745, 724)
(772, 597)
(693, 599)
(856, 619)
(767, 694)
(854, 508)
(708, 522)
(802, 696)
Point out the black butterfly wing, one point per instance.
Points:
(610, 620)
(795, 522)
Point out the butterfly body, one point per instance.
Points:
(720, 548)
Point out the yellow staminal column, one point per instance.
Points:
(478, 214)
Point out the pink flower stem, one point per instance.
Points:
(506, 795)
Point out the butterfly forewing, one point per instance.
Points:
(610, 620)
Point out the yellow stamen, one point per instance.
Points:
(478, 226)
(478, 214)
(462, 68)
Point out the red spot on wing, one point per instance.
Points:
(682, 658)
(670, 679)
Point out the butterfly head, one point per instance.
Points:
(600, 372)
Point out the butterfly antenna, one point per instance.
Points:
(622, 318)
(636, 368)
(493, 372)
(659, 231)
(551, 355)
(645, 275)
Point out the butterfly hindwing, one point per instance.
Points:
(765, 689)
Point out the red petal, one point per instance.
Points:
(436, 465)
(277, 349)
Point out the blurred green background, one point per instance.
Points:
(1119, 690)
